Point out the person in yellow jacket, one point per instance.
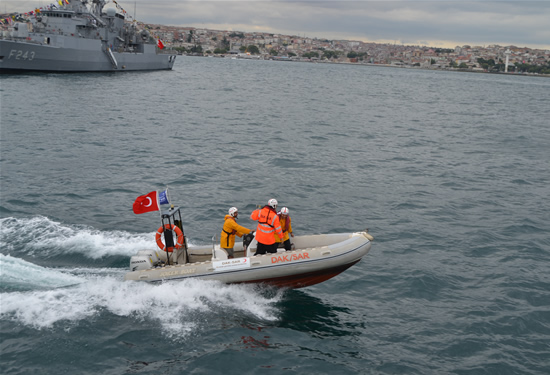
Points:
(268, 225)
(286, 227)
(230, 230)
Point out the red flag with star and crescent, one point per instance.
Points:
(160, 44)
(146, 203)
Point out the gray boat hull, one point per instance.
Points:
(316, 258)
(78, 55)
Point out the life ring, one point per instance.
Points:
(171, 227)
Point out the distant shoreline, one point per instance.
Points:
(449, 70)
(392, 66)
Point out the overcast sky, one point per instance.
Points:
(436, 23)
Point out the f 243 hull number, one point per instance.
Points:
(18, 54)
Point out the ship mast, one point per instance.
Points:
(97, 6)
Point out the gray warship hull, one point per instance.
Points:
(78, 56)
(79, 36)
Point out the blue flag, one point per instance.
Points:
(163, 197)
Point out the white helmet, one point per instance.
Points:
(284, 211)
(233, 211)
(273, 203)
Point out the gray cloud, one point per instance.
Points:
(437, 22)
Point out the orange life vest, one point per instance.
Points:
(268, 225)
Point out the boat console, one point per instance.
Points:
(174, 244)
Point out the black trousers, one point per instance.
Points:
(288, 245)
(262, 249)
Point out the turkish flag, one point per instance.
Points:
(160, 44)
(146, 203)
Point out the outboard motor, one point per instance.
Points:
(152, 254)
(143, 260)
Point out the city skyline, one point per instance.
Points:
(441, 23)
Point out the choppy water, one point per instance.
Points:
(449, 171)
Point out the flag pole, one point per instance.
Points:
(158, 205)
(162, 227)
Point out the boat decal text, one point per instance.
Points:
(231, 264)
(289, 257)
(18, 54)
(177, 272)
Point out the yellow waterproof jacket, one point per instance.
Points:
(286, 229)
(230, 230)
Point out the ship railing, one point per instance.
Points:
(20, 39)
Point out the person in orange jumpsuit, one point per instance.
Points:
(268, 225)
(286, 227)
(230, 230)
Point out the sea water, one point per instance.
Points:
(449, 171)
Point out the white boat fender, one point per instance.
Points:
(368, 236)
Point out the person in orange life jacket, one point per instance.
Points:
(230, 230)
(286, 227)
(268, 225)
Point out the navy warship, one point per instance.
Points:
(80, 37)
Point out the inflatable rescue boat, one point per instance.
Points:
(313, 259)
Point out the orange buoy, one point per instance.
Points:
(179, 234)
